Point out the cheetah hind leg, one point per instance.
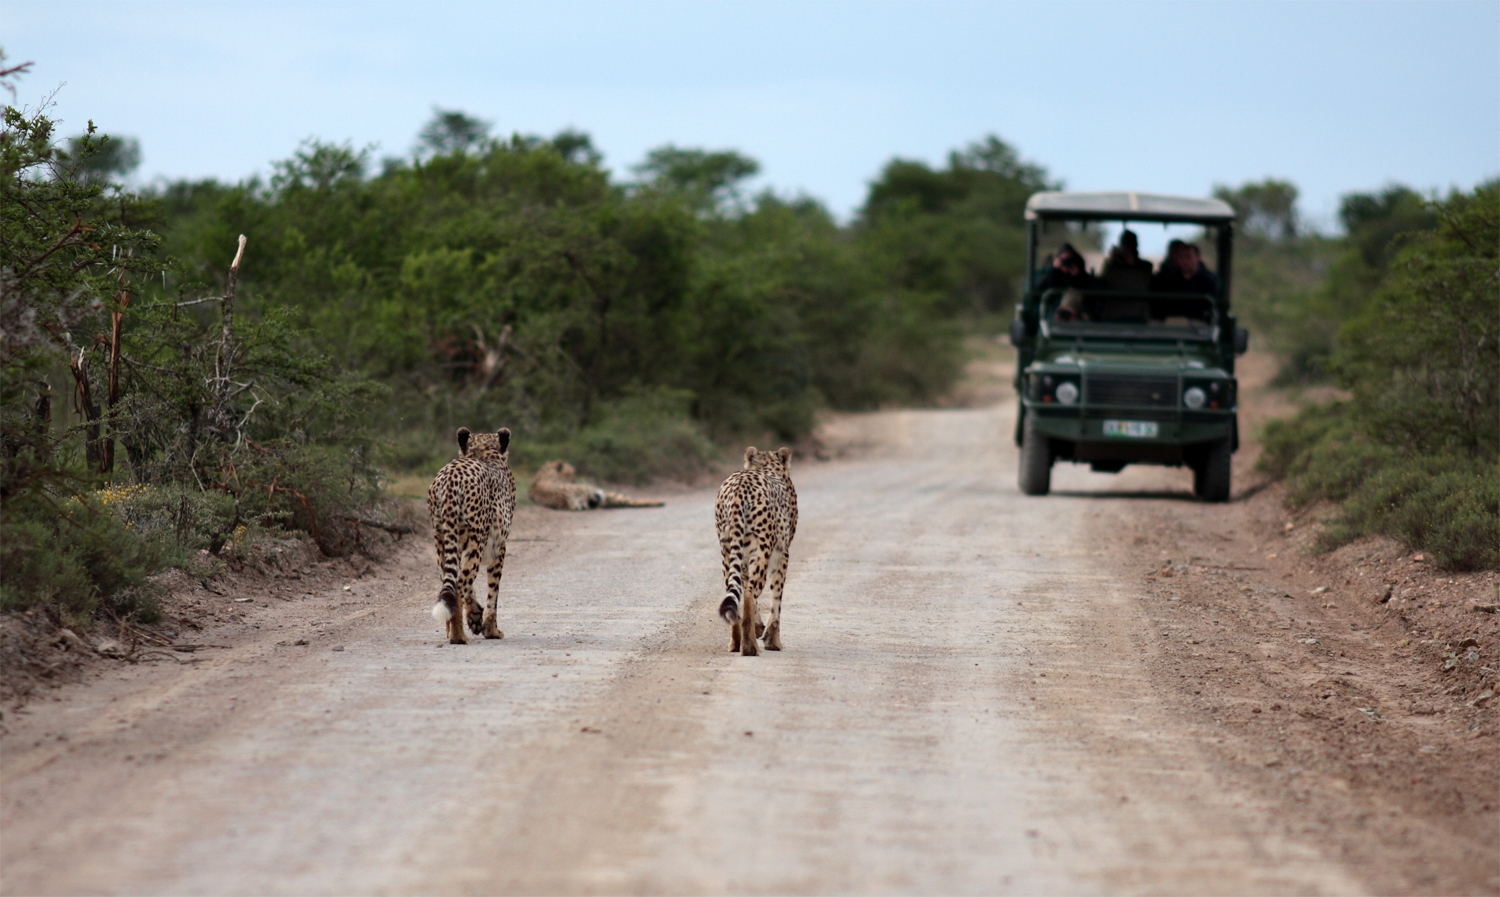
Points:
(747, 625)
(456, 631)
(774, 587)
(748, 646)
(464, 607)
(492, 605)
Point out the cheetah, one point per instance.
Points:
(472, 502)
(757, 518)
(554, 488)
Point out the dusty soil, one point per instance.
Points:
(1110, 689)
(1355, 689)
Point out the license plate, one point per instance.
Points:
(1133, 428)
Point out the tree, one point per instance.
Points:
(1412, 452)
(1423, 360)
(954, 234)
(69, 267)
(103, 159)
(709, 180)
(1266, 209)
(1373, 221)
(576, 147)
(452, 131)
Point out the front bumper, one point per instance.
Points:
(1086, 424)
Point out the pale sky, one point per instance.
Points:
(1159, 97)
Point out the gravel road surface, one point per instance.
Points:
(961, 707)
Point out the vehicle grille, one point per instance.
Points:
(1137, 391)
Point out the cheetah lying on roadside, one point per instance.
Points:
(757, 518)
(554, 488)
(472, 502)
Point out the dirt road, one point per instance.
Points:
(963, 706)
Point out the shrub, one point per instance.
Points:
(644, 436)
(1447, 503)
(81, 559)
(1413, 453)
(185, 516)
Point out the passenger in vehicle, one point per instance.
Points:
(1184, 272)
(1067, 271)
(1125, 269)
(1070, 309)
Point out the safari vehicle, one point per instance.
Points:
(1134, 377)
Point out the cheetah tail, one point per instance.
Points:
(616, 500)
(447, 604)
(729, 609)
(734, 588)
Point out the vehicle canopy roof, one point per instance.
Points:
(1127, 205)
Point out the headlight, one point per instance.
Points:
(1194, 397)
(1067, 392)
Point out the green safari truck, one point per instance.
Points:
(1110, 377)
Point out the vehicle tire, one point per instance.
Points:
(1036, 462)
(1215, 473)
(1195, 463)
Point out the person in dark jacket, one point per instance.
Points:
(1184, 272)
(1124, 269)
(1066, 271)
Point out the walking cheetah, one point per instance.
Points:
(472, 502)
(757, 518)
(554, 488)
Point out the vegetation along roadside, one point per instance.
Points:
(194, 369)
(172, 396)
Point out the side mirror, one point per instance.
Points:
(1017, 332)
(1241, 340)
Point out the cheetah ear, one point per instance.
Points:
(463, 440)
(504, 435)
(785, 455)
(749, 456)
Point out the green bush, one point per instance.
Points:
(516, 282)
(186, 516)
(82, 559)
(1422, 360)
(1447, 503)
(1413, 454)
(37, 572)
(645, 436)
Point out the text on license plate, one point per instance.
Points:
(1137, 428)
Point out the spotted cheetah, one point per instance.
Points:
(472, 502)
(554, 488)
(757, 517)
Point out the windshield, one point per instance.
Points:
(1113, 313)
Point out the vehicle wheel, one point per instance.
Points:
(1036, 462)
(1214, 474)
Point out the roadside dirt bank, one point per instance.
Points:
(1356, 690)
(981, 693)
